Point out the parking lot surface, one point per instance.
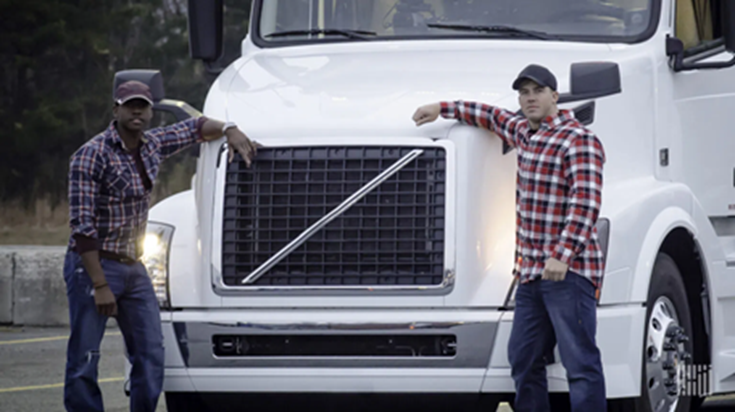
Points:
(32, 372)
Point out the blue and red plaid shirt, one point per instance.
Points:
(559, 188)
(109, 197)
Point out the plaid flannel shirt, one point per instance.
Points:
(108, 200)
(559, 188)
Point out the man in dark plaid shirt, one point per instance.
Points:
(559, 262)
(110, 181)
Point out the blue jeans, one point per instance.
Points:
(140, 323)
(547, 313)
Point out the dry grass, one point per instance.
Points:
(40, 224)
(44, 225)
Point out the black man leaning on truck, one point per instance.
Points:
(110, 181)
(559, 263)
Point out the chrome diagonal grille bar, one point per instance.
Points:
(333, 214)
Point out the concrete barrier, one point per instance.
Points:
(32, 287)
(6, 287)
(39, 290)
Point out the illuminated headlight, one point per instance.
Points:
(156, 247)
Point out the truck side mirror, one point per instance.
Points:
(591, 80)
(728, 25)
(675, 47)
(205, 30)
(152, 78)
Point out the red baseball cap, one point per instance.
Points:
(133, 89)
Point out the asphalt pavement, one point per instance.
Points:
(32, 372)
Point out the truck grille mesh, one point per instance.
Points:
(393, 236)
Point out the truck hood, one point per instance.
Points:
(373, 88)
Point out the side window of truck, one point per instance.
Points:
(697, 25)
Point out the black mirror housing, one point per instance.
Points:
(152, 78)
(675, 47)
(728, 24)
(596, 79)
(591, 80)
(205, 29)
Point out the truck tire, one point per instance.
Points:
(667, 343)
(184, 402)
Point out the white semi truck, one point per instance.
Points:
(363, 255)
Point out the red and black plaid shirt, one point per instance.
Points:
(559, 188)
(108, 194)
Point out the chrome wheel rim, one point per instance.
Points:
(665, 356)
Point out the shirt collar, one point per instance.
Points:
(554, 121)
(115, 136)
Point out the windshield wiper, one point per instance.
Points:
(352, 34)
(493, 29)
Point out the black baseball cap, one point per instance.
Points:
(538, 74)
(133, 89)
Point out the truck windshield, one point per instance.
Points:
(281, 22)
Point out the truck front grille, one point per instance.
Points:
(393, 236)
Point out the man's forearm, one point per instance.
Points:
(212, 129)
(91, 262)
(502, 122)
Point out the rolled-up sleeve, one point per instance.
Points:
(178, 136)
(85, 174)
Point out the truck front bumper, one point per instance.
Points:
(479, 364)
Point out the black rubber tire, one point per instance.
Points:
(184, 402)
(665, 281)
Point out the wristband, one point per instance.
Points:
(228, 125)
(100, 286)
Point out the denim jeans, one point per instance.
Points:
(547, 313)
(140, 323)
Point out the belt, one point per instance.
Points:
(117, 257)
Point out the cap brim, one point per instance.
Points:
(519, 82)
(135, 96)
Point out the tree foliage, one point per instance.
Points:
(57, 62)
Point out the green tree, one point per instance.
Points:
(57, 62)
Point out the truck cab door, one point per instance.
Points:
(700, 142)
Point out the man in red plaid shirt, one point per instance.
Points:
(559, 262)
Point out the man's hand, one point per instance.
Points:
(555, 270)
(103, 297)
(105, 301)
(427, 114)
(238, 141)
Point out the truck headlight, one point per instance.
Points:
(156, 248)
